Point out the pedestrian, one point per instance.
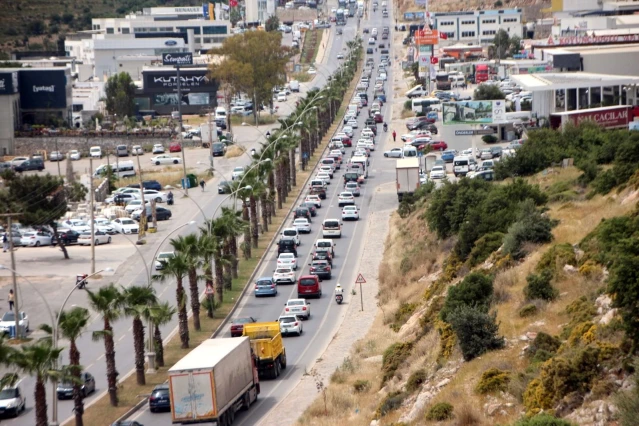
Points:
(202, 184)
(394, 135)
(11, 300)
(5, 243)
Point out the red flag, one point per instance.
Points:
(233, 3)
(443, 36)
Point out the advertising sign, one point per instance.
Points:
(474, 112)
(584, 40)
(608, 117)
(166, 82)
(426, 36)
(414, 16)
(8, 83)
(43, 89)
(177, 59)
(187, 99)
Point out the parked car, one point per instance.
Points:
(9, 320)
(137, 150)
(160, 398)
(87, 386)
(438, 172)
(160, 213)
(165, 159)
(175, 147)
(394, 153)
(99, 237)
(449, 155)
(158, 148)
(56, 156)
(237, 325)
(31, 164)
(74, 155)
(125, 226)
(36, 239)
(68, 236)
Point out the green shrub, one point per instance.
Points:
(543, 419)
(556, 257)
(416, 379)
(393, 356)
(402, 315)
(493, 380)
(484, 247)
(539, 286)
(489, 138)
(531, 226)
(476, 290)
(391, 403)
(476, 331)
(361, 386)
(543, 342)
(408, 105)
(440, 412)
(580, 311)
(528, 310)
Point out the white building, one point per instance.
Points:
(259, 10)
(566, 8)
(477, 26)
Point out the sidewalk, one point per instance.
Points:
(293, 405)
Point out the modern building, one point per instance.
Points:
(476, 26)
(599, 59)
(259, 10)
(566, 8)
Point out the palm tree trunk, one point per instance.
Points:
(271, 195)
(78, 404)
(109, 355)
(293, 168)
(195, 298)
(138, 347)
(264, 209)
(208, 272)
(287, 175)
(228, 267)
(219, 276)
(235, 261)
(254, 220)
(159, 347)
(183, 322)
(41, 403)
(280, 188)
(247, 231)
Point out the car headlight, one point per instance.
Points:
(11, 405)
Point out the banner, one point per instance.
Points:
(474, 112)
(166, 82)
(43, 89)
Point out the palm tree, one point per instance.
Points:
(137, 304)
(71, 325)
(108, 301)
(235, 227)
(190, 247)
(177, 267)
(208, 249)
(160, 314)
(39, 360)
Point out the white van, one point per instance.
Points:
(332, 228)
(294, 85)
(359, 159)
(220, 113)
(95, 152)
(409, 151)
(462, 165)
(416, 92)
(120, 169)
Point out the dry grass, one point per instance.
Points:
(234, 151)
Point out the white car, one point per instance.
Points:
(340, 56)
(287, 260)
(328, 170)
(158, 148)
(237, 172)
(394, 153)
(35, 239)
(9, 319)
(371, 41)
(281, 97)
(74, 154)
(165, 159)
(485, 154)
(311, 71)
(134, 205)
(350, 213)
(12, 400)
(103, 224)
(84, 239)
(292, 234)
(77, 225)
(126, 198)
(163, 256)
(137, 150)
(345, 198)
(16, 161)
(290, 324)
(348, 131)
(95, 152)
(152, 194)
(324, 177)
(299, 307)
(302, 225)
(284, 274)
(315, 199)
(438, 172)
(124, 225)
(423, 178)
(352, 123)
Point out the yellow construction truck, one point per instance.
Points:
(268, 348)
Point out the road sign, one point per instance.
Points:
(209, 290)
(464, 132)
(360, 279)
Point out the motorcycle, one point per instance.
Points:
(253, 152)
(385, 127)
(169, 199)
(339, 298)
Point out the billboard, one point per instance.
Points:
(474, 112)
(166, 81)
(41, 89)
(177, 59)
(8, 83)
(615, 117)
(187, 99)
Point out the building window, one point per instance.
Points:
(489, 21)
(197, 40)
(450, 35)
(468, 22)
(196, 30)
(468, 34)
(510, 20)
(446, 23)
(218, 40)
(125, 30)
(215, 29)
(109, 30)
(489, 32)
(208, 40)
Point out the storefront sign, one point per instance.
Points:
(177, 59)
(616, 117)
(166, 82)
(426, 36)
(583, 40)
(40, 89)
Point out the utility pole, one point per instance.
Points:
(142, 228)
(211, 139)
(179, 94)
(92, 215)
(16, 309)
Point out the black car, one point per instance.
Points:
(160, 398)
(65, 389)
(321, 268)
(496, 151)
(160, 213)
(147, 184)
(323, 255)
(286, 245)
(302, 212)
(68, 237)
(311, 206)
(218, 149)
(369, 51)
(224, 188)
(32, 164)
(422, 125)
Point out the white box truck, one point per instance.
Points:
(407, 171)
(213, 382)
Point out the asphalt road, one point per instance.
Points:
(302, 351)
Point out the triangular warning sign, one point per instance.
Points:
(551, 41)
(360, 279)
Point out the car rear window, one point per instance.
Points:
(306, 281)
(331, 224)
(290, 233)
(287, 319)
(263, 283)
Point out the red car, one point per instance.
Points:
(175, 147)
(379, 118)
(347, 141)
(438, 145)
(237, 326)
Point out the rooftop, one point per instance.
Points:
(571, 80)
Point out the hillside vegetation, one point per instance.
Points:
(507, 303)
(41, 24)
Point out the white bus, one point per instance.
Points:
(420, 104)
(120, 169)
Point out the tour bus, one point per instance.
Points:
(120, 169)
